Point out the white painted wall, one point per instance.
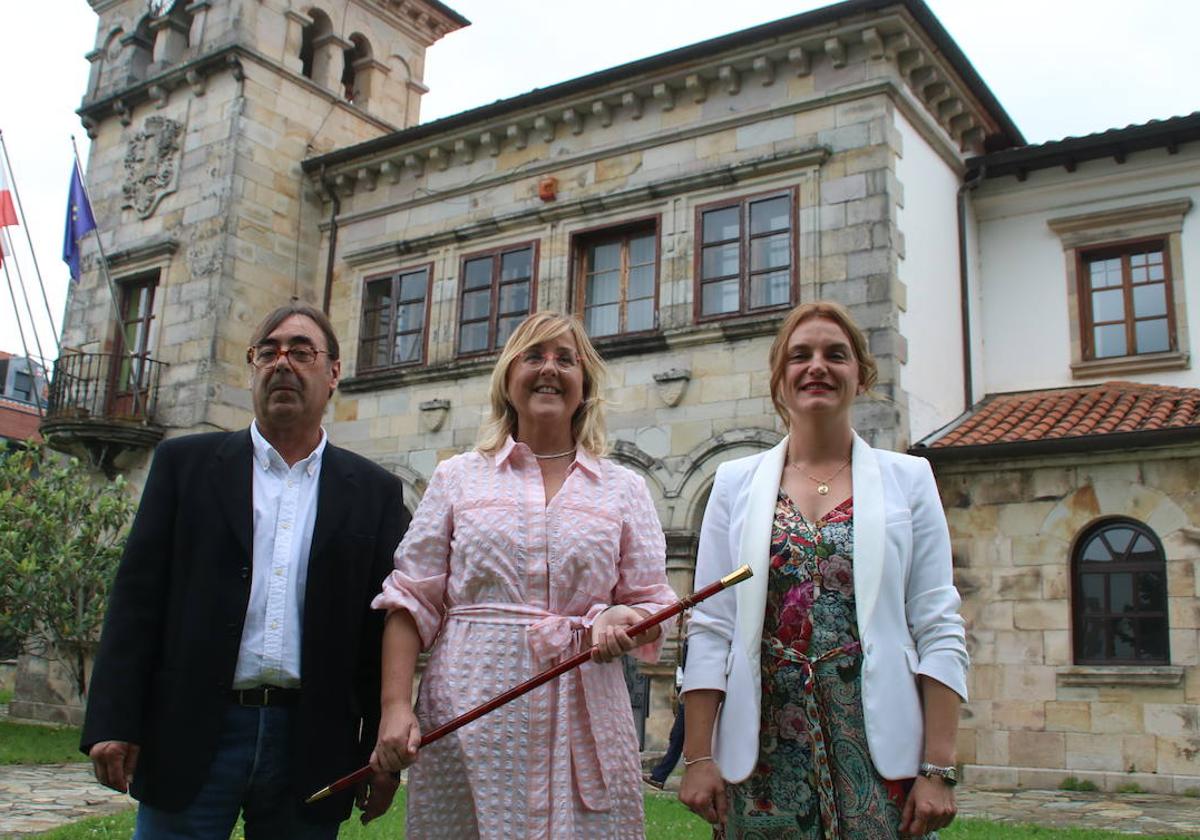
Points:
(932, 378)
(1022, 273)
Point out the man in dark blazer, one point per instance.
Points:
(239, 666)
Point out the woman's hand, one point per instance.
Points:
(609, 634)
(399, 740)
(702, 791)
(929, 807)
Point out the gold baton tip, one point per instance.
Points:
(318, 796)
(737, 576)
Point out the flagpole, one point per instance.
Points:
(37, 341)
(21, 330)
(12, 180)
(112, 289)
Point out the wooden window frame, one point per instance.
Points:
(743, 204)
(1123, 250)
(394, 278)
(1079, 567)
(496, 254)
(623, 231)
(121, 380)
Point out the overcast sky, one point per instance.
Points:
(1059, 67)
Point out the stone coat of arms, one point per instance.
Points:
(150, 165)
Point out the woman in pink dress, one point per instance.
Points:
(523, 551)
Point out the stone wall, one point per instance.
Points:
(1035, 716)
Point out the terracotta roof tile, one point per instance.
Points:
(1108, 408)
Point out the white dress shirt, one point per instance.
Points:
(285, 511)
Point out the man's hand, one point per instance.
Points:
(374, 796)
(114, 763)
(929, 807)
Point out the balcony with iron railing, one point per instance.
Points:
(104, 404)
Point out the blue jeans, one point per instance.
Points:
(674, 750)
(250, 774)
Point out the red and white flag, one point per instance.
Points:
(8, 212)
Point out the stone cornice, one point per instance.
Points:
(561, 211)
(1168, 214)
(541, 116)
(429, 21)
(195, 74)
(147, 253)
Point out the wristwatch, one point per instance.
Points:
(948, 774)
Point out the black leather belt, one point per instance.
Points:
(265, 695)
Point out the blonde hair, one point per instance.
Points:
(868, 370)
(587, 426)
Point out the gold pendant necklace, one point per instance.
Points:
(822, 486)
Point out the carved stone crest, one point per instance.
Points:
(671, 385)
(150, 165)
(433, 414)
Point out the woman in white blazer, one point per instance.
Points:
(822, 695)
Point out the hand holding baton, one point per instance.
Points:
(735, 577)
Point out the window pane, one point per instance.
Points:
(410, 317)
(1144, 550)
(1092, 587)
(639, 315)
(641, 250)
(1152, 336)
(1109, 340)
(1152, 639)
(605, 257)
(412, 286)
(1093, 639)
(1108, 305)
(641, 282)
(408, 348)
(505, 328)
(1096, 551)
(473, 337)
(1149, 300)
(720, 260)
(772, 214)
(479, 273)
(1122, 638)
(604, 288)
(1137, 259)
(1151, 592)
(722, 224)
(1120, 593)
(514, 298)
(374, 354)
(476, 304)
(772, 289)
(377, 293)
(1157, 273)
(1106, 273)
(718, 298)
(602, 320)
(1119, 539)
(771, 252)
(517, 265)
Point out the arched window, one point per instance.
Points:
(351, 85)
(1119, 591)
(319, 28)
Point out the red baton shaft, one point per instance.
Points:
(737, 576)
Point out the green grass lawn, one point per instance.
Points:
(5, 696)
(22, 743)
(666, 819)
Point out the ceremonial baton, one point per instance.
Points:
(735, 577)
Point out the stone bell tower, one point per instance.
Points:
(200, 112)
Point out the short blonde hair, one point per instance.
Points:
(587, 426)
(868, 370)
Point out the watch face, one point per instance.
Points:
(158, 8)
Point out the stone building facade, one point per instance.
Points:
(680, 205)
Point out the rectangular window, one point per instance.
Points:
(497, 295)
(22, 386)
(394, 311)
(129, 381)
(618, 280)
(746, 259)
(1125, 295)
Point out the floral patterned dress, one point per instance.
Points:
(814, 779)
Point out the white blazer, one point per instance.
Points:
(906, 603)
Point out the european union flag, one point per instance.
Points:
(80, 222)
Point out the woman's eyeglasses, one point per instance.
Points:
(561, 359)
(266, 355)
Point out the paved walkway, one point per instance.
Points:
(34, 799)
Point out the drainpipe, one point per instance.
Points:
(964, 290)
(333, 234)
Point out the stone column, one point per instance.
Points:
(170, 40)
(293, 39)
(328, 55)
(369, 77)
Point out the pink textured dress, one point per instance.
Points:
(502, 586)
